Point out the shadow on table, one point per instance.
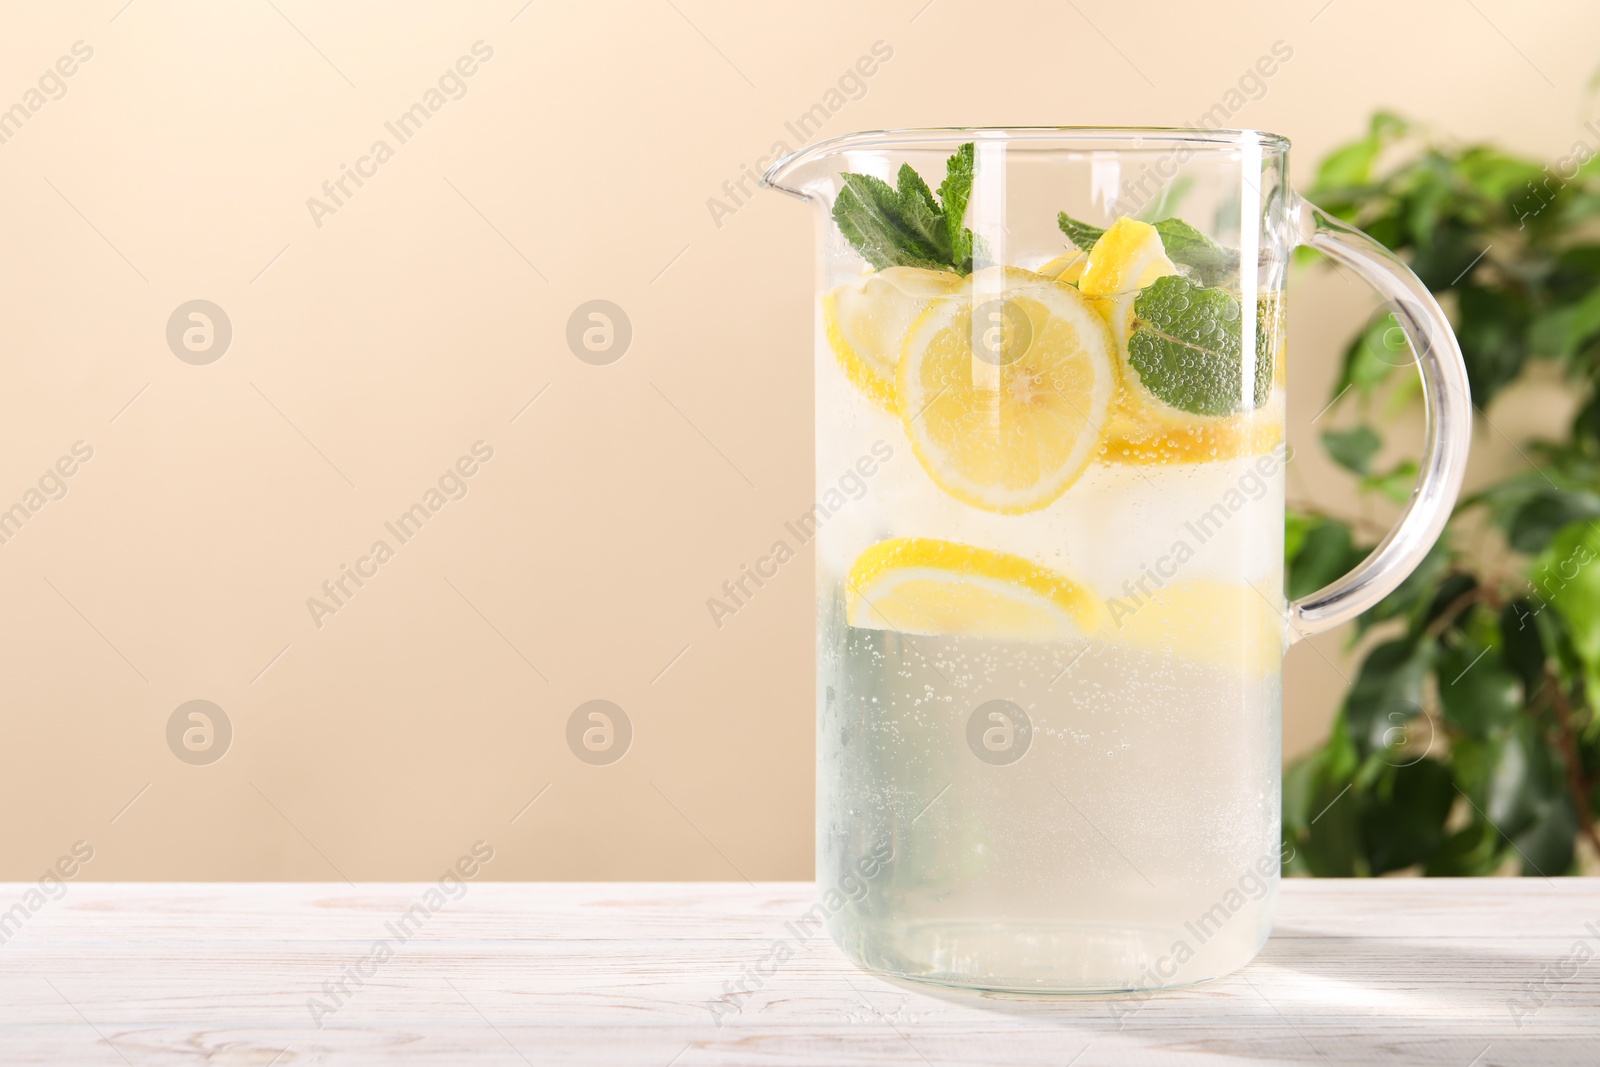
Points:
(1309, 997)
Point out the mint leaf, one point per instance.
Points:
(955, 191)
(1080, 234)
(913, 191)
(1186, 245)
(1185, 346)
(869, 214)
(921, 212)
(904, 225)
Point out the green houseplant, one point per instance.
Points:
(1468, 742)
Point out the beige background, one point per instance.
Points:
(372, 351)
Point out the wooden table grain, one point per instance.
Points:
(1393, 971)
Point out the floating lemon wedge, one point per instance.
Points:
(1222, 624)
(1003, 389)
(866, 321)
(1126, 258)
(918, 585)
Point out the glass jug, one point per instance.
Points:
(1049, 530)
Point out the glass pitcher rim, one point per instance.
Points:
(1200, 138)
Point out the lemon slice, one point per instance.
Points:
(1144, 434)
(1067, 267)
(1126, 258)
(867, 320)
(918, 585)
(1222, 624)
(1004, 387)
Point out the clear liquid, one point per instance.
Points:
(1146, 794)
(1134, 843)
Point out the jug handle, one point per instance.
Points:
(1447, 410)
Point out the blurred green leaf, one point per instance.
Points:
(1537, 519)
(1565, 575)
(1586, 424)
(1295, 527)
(1571, 276)
(1562, 331)
(1396, 483)
(1387, 691)
(1532, 506)
(1476, 692)
(1352, 164)
(1323, 552)
(1493, 330)
(1321, 809)
(1452, 588)
(1333, 840)
(1387, 229)
(1505, 800)
(1340, 760)
(1354, 448)
(1369, 359)
(1472, 851)
(1299, 787)
(1402, 824)
(1494, 175)
(1526, 782)
(1449, 252)
(1387, 125)
(1405, 390)
(1546, 847)
(1521, 649)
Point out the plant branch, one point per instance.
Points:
(1577, 782)
(1477, 594)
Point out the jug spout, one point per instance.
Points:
(811, 172)
(801, 172)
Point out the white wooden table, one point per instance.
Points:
(1390, 971)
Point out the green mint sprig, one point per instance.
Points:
(905, 226)
(1212, 264)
